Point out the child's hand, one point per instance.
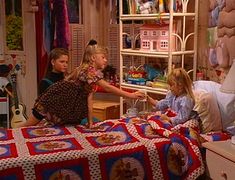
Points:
(139, 95)
(151, 100)
(90, 125)
(164, 117)
(94, 127)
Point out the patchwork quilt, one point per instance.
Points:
(129, 148)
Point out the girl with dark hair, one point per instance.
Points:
(56, 70)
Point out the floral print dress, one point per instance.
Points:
(65, 102)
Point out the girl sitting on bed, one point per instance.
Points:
(177, 107)
(69, 101)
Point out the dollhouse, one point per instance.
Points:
(154, 37)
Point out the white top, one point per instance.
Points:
(3, 82)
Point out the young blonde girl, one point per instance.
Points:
(69, 101)
(177, 107)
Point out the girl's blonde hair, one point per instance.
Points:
(182, 79)
(90, 50)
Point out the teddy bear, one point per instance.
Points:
(215, 7)
(5, 85)
(146, 7)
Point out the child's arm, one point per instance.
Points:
(164, 117)
(151, 100)
(31, 121)
(183, 112)
(112, 89)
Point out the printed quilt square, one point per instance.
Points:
(133, 120)
(146, 131)
(70, 169)
(127, 164)
(12, 174)
(115, 136)
(5, 134)
(34, 132)
(52, 146)
(99, 127)
(8, 151)
(177, 158)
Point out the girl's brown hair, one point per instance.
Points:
(55, 53)
(182, 79)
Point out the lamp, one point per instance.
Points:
(228, 85)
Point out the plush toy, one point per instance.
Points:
(213, 4)
(212, 42)
(152, 72)
(212, 57)
(214, 10)
(226, 34)
(230, 5)
(5, 85)
(146, 7)
(110, 74)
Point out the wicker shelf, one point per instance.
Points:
(182, 41)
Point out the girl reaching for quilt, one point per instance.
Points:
(177, 107)
(69, 101)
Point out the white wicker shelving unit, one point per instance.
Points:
(186, 17)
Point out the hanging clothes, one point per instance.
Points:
(60, 12)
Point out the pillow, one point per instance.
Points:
(225, 101)
(208, 110)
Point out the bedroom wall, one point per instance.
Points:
(98, 22)
(26, 77)
(217, 73)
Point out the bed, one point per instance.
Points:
(130, 148)
(127, 148)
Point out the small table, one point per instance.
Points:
(220, 159)
(104, 110)
(4, 112)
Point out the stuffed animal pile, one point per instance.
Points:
(221, 32)
(226, 34)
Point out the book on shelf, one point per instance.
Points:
(132, 6)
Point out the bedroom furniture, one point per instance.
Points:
(4, 112)
(130, 148)
(224, 101)
(228, 85)
(106, 109)
(220, 159)
(182, 40)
